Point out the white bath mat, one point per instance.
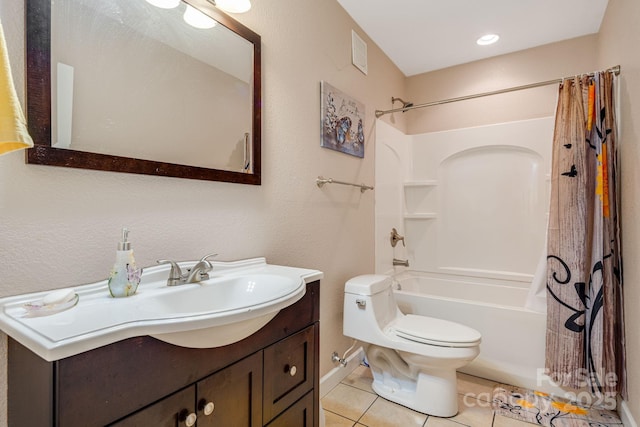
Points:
(545, 410)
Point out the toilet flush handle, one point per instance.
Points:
(362, 304)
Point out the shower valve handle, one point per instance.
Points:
(395, 238)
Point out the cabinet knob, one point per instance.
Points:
(290, 369)
(188, 418)
(191, 420)
(208, 408)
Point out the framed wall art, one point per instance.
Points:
(342, 121)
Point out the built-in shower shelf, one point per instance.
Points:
(426, 183)
(420, 198)
(420, 216)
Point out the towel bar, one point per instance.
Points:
(322, 181)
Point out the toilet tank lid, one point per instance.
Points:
(368, 284)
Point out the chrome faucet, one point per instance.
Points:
(195, 274)
(404, 262)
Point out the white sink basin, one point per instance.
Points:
(235, 302)
(222, 294)
(241, 306)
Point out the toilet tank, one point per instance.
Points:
(369, 305)
(368, 284)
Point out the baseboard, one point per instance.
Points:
(625, 415)
(337, 374)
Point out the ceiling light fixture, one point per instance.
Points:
(487, 39)
(195, 18)
(164, 4)
(233, 6)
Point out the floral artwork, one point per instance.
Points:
(342, 121)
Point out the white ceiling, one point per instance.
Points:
(426, 35)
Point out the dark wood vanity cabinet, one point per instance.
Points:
(233, 396)
(268, 379)
(289, 373)
(169, 412)
(235, 393)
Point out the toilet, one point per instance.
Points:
(413, 358)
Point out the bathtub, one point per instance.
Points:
(513, 337)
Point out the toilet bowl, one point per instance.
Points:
(413, 358)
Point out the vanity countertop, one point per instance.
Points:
(242, 294)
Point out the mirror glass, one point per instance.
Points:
(143, 89)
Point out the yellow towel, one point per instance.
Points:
(13, 126)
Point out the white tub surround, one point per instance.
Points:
(473, 206)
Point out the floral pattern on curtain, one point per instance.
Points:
(585, 344)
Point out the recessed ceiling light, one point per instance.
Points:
(487, 39)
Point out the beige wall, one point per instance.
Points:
(60, 226)
(520, 68)
(618, 44)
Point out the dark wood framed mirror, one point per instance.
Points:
(211, 127)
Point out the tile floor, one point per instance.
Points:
(353, 403)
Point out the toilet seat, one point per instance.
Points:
(438, 332)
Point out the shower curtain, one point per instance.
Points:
(585, 344)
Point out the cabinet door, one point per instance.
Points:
(289, 371)
(232, 397)
(171, 411)
(300, 414)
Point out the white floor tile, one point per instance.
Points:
(335, 420)
(476, 387)
(384, 413)
(473, 412)
(349, 402)
(501, 421)
(361, 378)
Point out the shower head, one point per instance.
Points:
(404, 103)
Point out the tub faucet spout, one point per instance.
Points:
(404, 262)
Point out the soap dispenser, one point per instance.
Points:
(125, 276)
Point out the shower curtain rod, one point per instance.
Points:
(380, 113)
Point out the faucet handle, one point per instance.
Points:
(209, 267)
(395, 238)
(200, 271)
(175, 275)
(204, 258)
